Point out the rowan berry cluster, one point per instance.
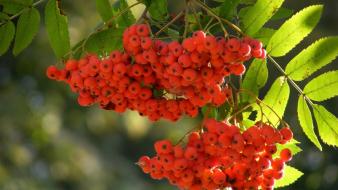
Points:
(221, 156)
(193, 72)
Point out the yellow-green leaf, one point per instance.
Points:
(292, 146)
(6, 35)
(306, 122)
(316, 56)
(105, 9)
(27, 27)
(57, 29)
(257, 15)
(294, 30)
(323, 87)
(275, 101)
(327, 125)
(291, 175)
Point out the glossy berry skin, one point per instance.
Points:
(220, 156)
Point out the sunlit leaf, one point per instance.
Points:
(276, 100)
(27, 27)
(316, 56)
(259, 14)
(306, 122)
(294, 30)
(327, 125)
(7, 32)
(57, 29)
(323, 87)
(292, 146)
(291, 175)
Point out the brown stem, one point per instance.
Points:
(169, 23)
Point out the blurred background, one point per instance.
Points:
(49, 142)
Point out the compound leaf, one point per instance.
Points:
(294, 30)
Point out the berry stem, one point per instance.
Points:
(186, 21)
(169, 23)
(196, 18)
(240, 111)
(212, 13)
(260, 102)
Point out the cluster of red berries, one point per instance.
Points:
(115, 84)
(193, 72)
(194, 68)
(220, 157)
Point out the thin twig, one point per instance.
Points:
(300, 91)
(186, 21)
(196, 18)
(212, 13)
(240, 110)
(169, 23)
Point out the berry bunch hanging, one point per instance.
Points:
(141, 77)
(221, 157)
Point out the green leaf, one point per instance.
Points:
(327, 125)
(292, 145)
(247, 2)
(247, 123)
(264, 34)
(105, 10)
(228, 9)
(323, 87)
(294, 30)
(316, 56)
(14, 6)
(282, 13)
(158, 9)
(255, 78)
(306, 122)
(27, 27)
(291, 175)
(4, 16)
(105, 41)
(209, 112)
(276, 99)
(259, 14)
(57, 29)
(7, 32)
(127, 18)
